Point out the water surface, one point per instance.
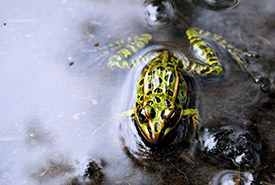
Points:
(59, 101)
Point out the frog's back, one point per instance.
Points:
(162, 91)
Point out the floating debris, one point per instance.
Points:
(71, 63)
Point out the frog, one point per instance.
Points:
(162, 88)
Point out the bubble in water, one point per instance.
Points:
(158, 13)
(231, 177)
(217, 4)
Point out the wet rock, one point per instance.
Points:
(231, 145)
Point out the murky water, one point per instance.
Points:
(60, 102)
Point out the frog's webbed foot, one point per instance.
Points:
(194, 114)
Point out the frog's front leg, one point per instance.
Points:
(194, 114)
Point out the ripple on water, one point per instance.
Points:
(217, 4)
(158, 13)
(228, 177)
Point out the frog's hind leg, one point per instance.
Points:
(123, 49)
(121, 59)
(237, 54)
(207, 63)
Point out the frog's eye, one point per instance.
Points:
(173, 119)
(141, 115)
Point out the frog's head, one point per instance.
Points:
(155, 123)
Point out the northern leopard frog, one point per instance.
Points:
(162, 89)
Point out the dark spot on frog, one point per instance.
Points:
(156, 99)
(149, 93)
(5, 24)
(158, 90)
(169, 78)
(150, 86)
(167, 103)
(141, 82)
(169, 92)
(161, 68)
(152, 113)
(158, 80)
(169, 65)
(151, 72)
(150, 103)
(205, 70)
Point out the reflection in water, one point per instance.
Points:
(217, 4)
